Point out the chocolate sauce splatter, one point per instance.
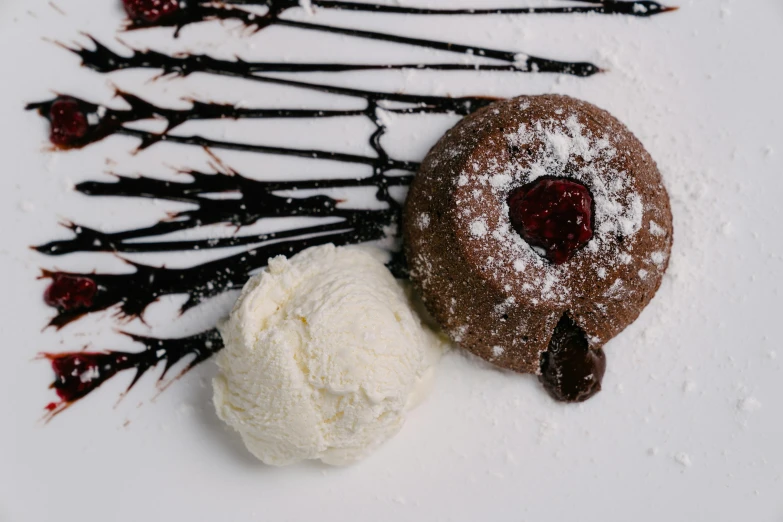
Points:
(253, 200)
(195, 12)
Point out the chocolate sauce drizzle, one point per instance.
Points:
(110, 121)
(255, 200)
(196, 12)
(80, 373)
(103, 59)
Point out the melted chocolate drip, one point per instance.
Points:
(79, 373)
(571, 371)
(111, 123)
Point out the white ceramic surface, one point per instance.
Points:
(689, 425)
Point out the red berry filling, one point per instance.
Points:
(150, 11)
(68, 122)
(67, 292)
(553, 214)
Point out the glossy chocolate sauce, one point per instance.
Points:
(195, 12)
(79, 373)
(640, 8)
(103, 59)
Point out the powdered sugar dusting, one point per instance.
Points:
(683, 459)
(617, 208)
(749, 404)
(561, 147)
(656, 230)
(307, 5)
(478, 228)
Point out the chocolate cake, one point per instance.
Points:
(536, 230)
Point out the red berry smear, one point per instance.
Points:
(67, 292)
(150, 11)
(77, 374)
(554, 214)
(68, 122)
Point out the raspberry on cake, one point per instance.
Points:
(536, 230)
(554, 214)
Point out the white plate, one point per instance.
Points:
(688, 426)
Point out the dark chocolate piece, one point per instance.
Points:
(570, 370)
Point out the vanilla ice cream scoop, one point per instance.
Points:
(324, 355)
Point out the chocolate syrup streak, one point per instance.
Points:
(520, 61)
(79, 373)
(103, 60)
(196, 12)
(133, 292)
(253, 200)
(111, 121)
(640, 8)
